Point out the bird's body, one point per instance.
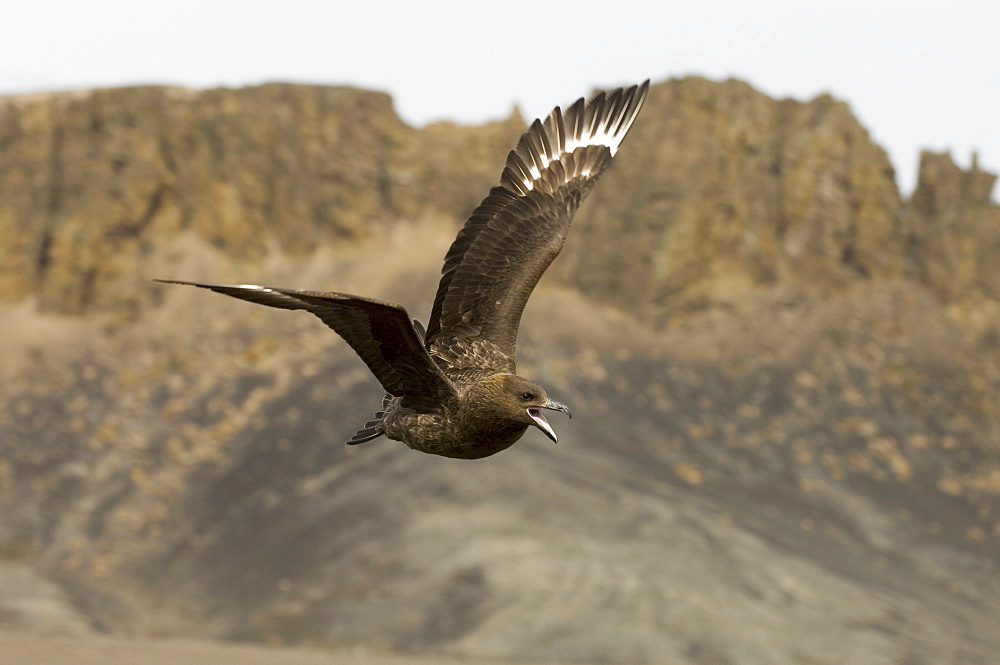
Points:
(453, 391)
(462, 427)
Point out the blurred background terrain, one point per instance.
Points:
(786, 378)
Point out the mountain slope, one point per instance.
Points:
(786, 383)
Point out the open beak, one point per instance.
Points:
(536, 414)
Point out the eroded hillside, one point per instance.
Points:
(786, 381)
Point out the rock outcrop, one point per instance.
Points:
(92, 183)
(954, 229)
(727, 190)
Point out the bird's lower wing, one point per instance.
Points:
(381, 333)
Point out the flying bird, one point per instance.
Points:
(452, 389)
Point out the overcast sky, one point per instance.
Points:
(918, 74)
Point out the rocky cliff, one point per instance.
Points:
(92, 183)
(748, 192)
(786, 378)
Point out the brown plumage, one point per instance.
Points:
(453, 391)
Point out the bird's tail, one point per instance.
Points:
(368, 432)
(372, 429)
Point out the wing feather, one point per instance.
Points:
(511, 238)
(381, 333)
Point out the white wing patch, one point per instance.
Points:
(610, 117)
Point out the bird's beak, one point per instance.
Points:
(543, 424)
(557, 406)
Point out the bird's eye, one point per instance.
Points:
(527, 397)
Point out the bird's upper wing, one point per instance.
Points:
(380, 332)
(516, 232)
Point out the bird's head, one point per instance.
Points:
(523, 400)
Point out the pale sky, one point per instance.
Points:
(919, 74)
